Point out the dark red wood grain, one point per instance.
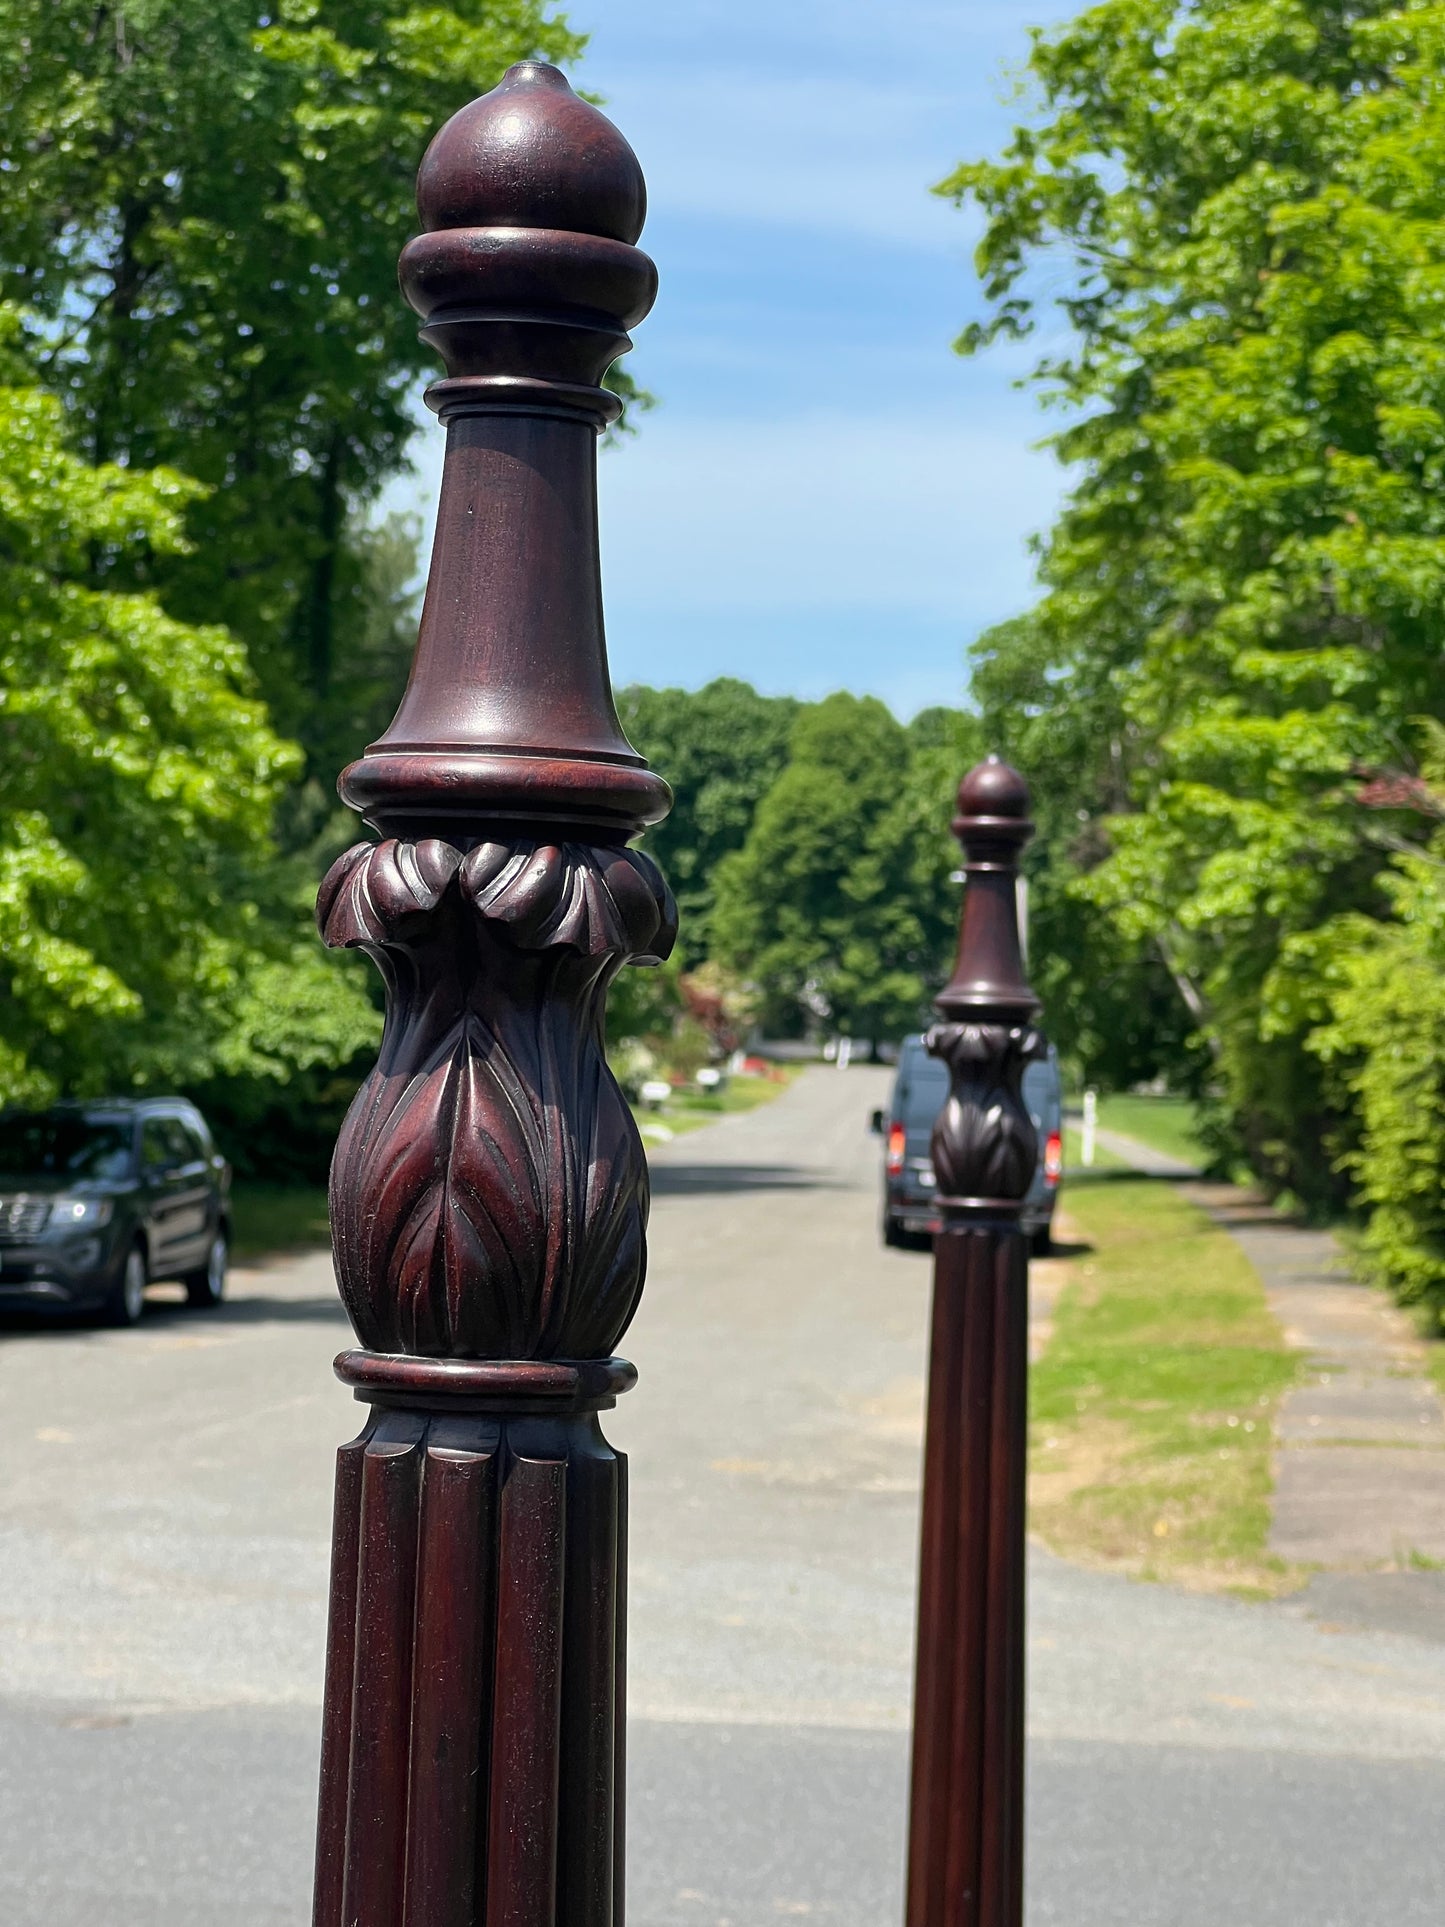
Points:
(340, 1671)
(592, 1711)
(453, 1666)
(527, 1692)
(489, 1192)
(381, 1687)
(965, 1865)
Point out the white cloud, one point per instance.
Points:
(834, 114)
(816, 152)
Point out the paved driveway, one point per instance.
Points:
(164, 1502)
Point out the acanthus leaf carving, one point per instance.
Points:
(984, 1143)
(595, 900)
(373, 886)
(489, 1191)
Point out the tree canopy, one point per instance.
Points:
(203, 205)
(838, 905)
(1223, 218)
(140, 939)
(721, 748)
(208, 377)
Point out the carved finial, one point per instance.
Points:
(527, 276)
(528, 281)
(993, 826)
(990, 790)
(489, 1190)
(984, 1145)
(531, 154)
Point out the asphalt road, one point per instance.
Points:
(164, 1506)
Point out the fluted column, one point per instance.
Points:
(489, 1190)
(965, 1866)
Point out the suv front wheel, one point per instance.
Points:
(126, 1299)
(207, 1287)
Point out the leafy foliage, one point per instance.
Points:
(1385, 1042)
(203, 202)
(720, 748)
(839, 905)
(1110, 1003)
(203, 206)
(1238, 204)
(137, 782)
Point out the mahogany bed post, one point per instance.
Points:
(489, 1191)
(965, 1859)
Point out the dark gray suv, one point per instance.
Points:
(98, 1199)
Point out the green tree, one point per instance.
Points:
(203, 202)
(140, 940)
(720, 747)
(378, 607)
(1383, 1045)
(1237, 206)
(839, 906)
(1109, 1001)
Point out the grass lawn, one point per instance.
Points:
(1104, 1160)
(1152, 1408)
(689, 1110)
(1164, 1123)
(267, 1218)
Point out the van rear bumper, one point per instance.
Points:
(919, 1215)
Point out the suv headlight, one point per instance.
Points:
(71, 1213)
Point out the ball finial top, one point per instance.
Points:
(993, 788)
(527, 275)
(993, 826)
(531, 154)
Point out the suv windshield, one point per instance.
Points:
(43, 1145)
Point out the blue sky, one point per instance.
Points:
(826, 497)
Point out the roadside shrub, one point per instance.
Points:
(1386, 1041)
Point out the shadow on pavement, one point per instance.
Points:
(252, 1311)
(164, 1314)
(1079, 1180)
(685, 1180)
(1068, 1248)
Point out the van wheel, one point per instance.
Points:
(893, 1232)
(207, 1287)
(1042, 1242)
(126, 1299)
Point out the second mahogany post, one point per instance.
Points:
(489, 1191)
(965, 1861)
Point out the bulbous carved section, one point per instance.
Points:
(489, 1191)
(984, 1144)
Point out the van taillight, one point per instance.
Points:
(897, 1141)
(1053, 1158)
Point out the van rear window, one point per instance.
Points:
(926, 1088)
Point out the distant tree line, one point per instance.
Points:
(1225, 219)
(809, 848)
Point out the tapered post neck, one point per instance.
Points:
(992, 824)
(527, 279)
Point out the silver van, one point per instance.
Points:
(919, 1090)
